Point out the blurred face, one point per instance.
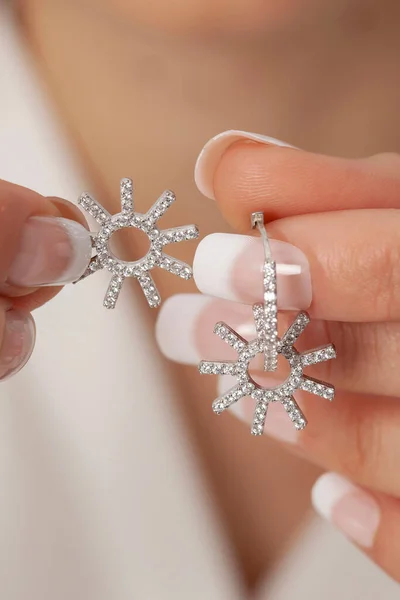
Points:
(225, 16)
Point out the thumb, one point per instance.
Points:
(42, 244)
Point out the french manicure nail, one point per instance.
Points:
(18, 342)
(212, 152)
(52, 251)
(230, 266)
(351, 509)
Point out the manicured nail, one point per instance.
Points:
(230, 266)
(52, 251)
(351, 509)
(212, 152)
(277, 424)
(185, 325)
(184, 332)
(18, 342)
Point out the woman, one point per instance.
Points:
(118, 480)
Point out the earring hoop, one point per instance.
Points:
(266, 313)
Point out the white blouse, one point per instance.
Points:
(101, 497)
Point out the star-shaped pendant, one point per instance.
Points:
(282, 393)
(147, 223)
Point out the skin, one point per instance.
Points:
(357, 435)
(323, 76)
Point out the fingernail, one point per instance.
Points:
(212, 152)
(352, 510)
(18, 342)
(52, 251)
(176, 327)
(230, 266)
(277, 424)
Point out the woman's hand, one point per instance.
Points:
(338, 257)
(43, 243)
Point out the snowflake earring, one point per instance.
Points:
(270, 345)
(147, 223)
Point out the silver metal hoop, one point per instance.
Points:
(266, 313)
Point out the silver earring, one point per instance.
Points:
(147, 223)
(266, 314)
(269, 344)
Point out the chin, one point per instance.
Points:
(204, 17)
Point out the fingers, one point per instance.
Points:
(370, 520)
(356, 435)
(282, 182)
(349, 258)
(366, 352)
(38, 245)
(42, 243)
(17, 339)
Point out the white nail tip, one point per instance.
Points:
(212, 152)
(288, 269)
(176, 324)
(327, 491)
